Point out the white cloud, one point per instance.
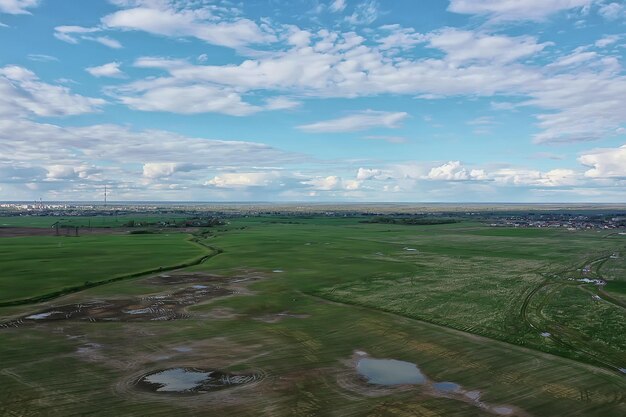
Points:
(607, 40)
(17, 6)
(399, 37)
(605, 162)
(244, 179)
(41, 58)
(366, 174)
(454, 171)
(337, 6)
(60, 172)
(281, 103)
(364, 13)
(586, 106)
(512, 10)
(74, 34)
(70, 34)
(530, 177)
(106, 41)
(22, 94)
(332, 183)
(575, 58)
(184, 20)
(463, 46)
(365, 120)
(613, 11)
(190, 99)
(112, 69)
(154, 170)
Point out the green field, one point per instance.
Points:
(35, 266)
(467, 303)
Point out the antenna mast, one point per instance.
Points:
(105, 195)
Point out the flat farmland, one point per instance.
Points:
(296, 301)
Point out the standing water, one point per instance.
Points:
(389, 372)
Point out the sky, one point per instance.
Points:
(313, 100)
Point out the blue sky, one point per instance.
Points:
(313, 100)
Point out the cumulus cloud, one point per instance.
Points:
(454, 171)
(190, 99)
(605, 162)
(332, 183)
(531, 177)
(366, 174)
(396, 36)
(166, 169)
(512, 10)
(17, 6)
(22, 94)
(186, 19)
(463, 46)
(366, 120)
(244, 179)
(112, 69)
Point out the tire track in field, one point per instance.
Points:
(557, 336)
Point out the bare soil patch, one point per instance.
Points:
(194, 289)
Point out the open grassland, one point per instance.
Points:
(306, 294)
(35, 266)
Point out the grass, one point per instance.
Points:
(35, 266)
(347, 277)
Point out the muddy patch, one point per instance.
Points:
(194, 289)
(193, 380)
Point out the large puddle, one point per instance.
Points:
(389, 372)
(192, 380)
(392, 372)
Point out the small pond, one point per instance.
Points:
(389, 372)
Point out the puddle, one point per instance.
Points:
(447, 387)
(392, 372)
(389, 372)
(192, 380)
(546, 334)
(183, 349)
(176, 380)
(149, 308)
(42, 316)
